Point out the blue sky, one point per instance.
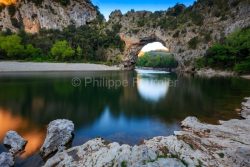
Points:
(107, 6)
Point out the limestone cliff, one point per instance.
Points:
(47, 14)
(187, 31)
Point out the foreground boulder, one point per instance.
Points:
(15, 142)
(6, 159)
(198, 144)
(59, 134)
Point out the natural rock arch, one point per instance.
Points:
(133, 46)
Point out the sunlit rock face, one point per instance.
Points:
(152, 88)
(7, 2)
(48, 15)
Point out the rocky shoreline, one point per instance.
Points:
(209, 73)
(198, 144)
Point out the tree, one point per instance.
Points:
(11, 46)
(62, 51)
(79, 52)
(157, 61)
(233, 53)
(30, 51)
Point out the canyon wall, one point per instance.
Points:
(45, 15)
(187, 31)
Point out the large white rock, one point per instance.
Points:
(6, 160)
(15, 142)
(59, 134)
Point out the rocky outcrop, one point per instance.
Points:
(186, 32)
(47, 15)
(198, 144)
(15, 142)
(6, 159)
(214, 73)
(59, 134)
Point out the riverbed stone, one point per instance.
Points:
(198, 144)
(59, 134)
(6, 159)
(15, 142)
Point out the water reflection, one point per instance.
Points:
(124, 114)
(124, 129)
(152, 87)
(34, 135)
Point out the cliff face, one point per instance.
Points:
(48, 15)
(187, 32)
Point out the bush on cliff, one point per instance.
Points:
(232, 54)
(89, 43)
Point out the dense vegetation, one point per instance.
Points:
(86, 43)
(157, 61)
(233, 53)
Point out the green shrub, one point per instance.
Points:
(31, 51)
(232, 54)
(192, 44)
(157, 61)
(200, 63)
(141, 22)
(221, 56)
(62, 51)
(243, 67)
(11, 46)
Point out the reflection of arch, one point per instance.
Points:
(151, 87)
(134, 46)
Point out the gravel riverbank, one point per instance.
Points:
(11, 66)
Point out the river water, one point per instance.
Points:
(125, 107)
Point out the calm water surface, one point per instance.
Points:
(147, 105)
